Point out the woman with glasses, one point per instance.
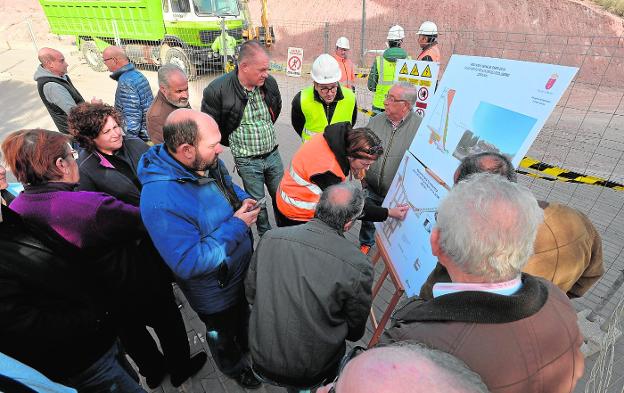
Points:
(339, 154)
(109, 160)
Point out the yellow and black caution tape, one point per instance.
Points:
(366, 111)
(564, 175)
(361, 76)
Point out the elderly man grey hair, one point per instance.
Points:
(485, 229)
(409, 92)
(340, 205)
(406, 367)
(165, 72)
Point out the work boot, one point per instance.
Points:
(195, 364)
(365, 248)
(247, 379)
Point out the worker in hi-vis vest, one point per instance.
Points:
(381, 77)
(347, 68)
(428, 41)
(325, 102)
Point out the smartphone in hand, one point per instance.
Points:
(258, 204)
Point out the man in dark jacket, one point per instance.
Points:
(133, 96)
(246, 103)
(310, 290)
(48, 320)
(173, 93)
(492, 314)
(55, 88)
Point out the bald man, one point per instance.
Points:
(406, 368)
(199, 221)
(55, 88)
(133, 97)
(310, 291)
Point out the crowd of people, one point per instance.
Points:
(127, 199)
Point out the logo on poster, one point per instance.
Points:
(551, 81)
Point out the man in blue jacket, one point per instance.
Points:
(199, 221)
(134, 94)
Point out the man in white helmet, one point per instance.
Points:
(325, 102)
(381, 77)
(428, 41)
(346, 65)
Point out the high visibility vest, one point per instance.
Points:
(314, 112)
(347, 70)
(296, 195)
(385, 80)
(432, 51)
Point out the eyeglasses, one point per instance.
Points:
(73, 153)
(327, 89)
(343, 363)
(390, 99)
(373, 150)
(110, 58)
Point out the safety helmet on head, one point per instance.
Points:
(428, 28)
(396, 32)
(343, 43)
(325, 69)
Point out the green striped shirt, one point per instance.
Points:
(255, 135)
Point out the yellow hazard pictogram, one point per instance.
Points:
(426, 73)
(414, 71)
(404, 69)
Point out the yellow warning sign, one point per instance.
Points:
(404, 69)
(414, 71)
(426, 73)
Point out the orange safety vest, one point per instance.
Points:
(432, 51)
(296, 195)
(348, 71)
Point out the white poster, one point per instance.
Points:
(487, 104)
(294, 62)
(407, 242)
(423, 75)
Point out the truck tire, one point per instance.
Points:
(179, 57)
(93, 56)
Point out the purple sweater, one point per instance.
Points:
(83, 218)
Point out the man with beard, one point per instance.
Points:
(173, 93)
(199, 221)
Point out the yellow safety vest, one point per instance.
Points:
(385, 80)
(314, 112)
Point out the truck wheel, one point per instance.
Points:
(93, 56)
(179, 57)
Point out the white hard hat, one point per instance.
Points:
(343, 43)
(325, 69)
(428, 28)
(396, 32)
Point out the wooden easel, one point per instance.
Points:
(399, 290)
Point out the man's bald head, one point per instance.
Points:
(488, 162)
(114, 58)
(53, 61)
(408, 368)
(187, 126)
(339, 205)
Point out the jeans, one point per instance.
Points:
(106, 375)
(255, 173)
(226, 334)
(367, 231)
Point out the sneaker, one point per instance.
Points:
(195, 364)
(365, 249)
(247, 379)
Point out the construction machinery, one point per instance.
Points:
(263, 33)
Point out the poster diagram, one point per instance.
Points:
(487, 104)
(407, 242)
(423, 75)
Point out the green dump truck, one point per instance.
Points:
(151, 31)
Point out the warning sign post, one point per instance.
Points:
(294, 62)
(423, 75)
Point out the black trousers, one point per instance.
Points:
(283, 221)
(160, 312)
(226, 334)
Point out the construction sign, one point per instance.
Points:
(294, 62)
(423, 75)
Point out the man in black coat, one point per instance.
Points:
(246, 104)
